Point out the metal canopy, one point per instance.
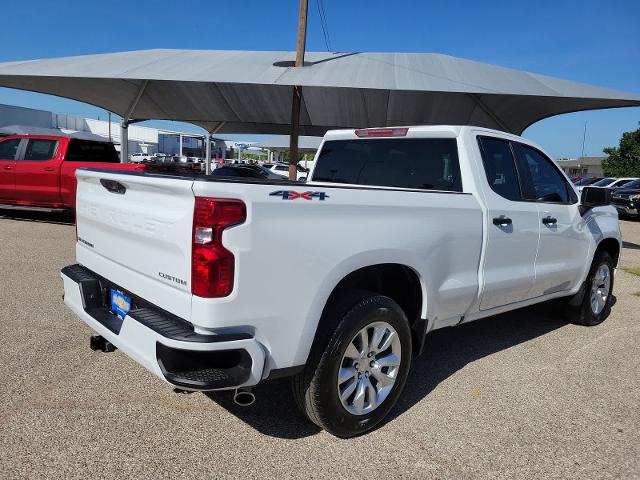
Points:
(280, 143)
(51, 132)
(250, 92)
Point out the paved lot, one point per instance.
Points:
(522, 395)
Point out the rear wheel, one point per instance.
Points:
(352, 381)
(592, 304)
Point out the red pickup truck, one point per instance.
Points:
(39, 171)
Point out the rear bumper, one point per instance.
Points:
(164, 344)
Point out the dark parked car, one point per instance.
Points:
(584, 181)
(245, 171)
(627, 199)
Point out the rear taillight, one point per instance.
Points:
(382, 132)
(212, 265)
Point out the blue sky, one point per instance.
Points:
(590, 41)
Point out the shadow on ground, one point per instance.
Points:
(630, 245)
(60, 218)
(446, 352)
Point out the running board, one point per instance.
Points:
(32, 209)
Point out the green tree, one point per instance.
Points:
(623, 161)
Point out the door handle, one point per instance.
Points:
(549, 221)
(48, 169)
(8, 167)
(502, 221)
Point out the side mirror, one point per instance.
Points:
(594, 197)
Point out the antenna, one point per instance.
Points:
(584, 136)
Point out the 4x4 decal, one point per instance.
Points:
(292, 195)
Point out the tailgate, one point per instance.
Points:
(135, 231)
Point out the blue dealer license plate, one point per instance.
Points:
(120, 303)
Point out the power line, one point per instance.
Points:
(323, 24)
(326, 25)
(324, 33)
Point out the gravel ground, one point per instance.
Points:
(521, 395)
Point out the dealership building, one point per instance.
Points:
(146, 140)
(583, 166)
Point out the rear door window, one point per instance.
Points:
(39, 149)
(500, 167)
(9, 149)
(88, 151)
(416, 163)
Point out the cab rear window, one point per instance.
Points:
(88, 151)
(416, 163)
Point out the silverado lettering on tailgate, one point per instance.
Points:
(127, 220)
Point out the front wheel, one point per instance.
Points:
(349, 386)
(592, 304)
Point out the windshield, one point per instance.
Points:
(621, 183)
(586, 181)
(632, 184)
(604, 182)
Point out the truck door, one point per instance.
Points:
(564, 237)
(37, 173)
(8, 152)
(512, 229)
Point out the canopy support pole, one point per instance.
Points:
(207, 154)
(126, 120)
(207, 163)
(124, 142)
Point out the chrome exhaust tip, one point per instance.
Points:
(244, 397)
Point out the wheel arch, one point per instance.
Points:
(611, 246)
(398, 281)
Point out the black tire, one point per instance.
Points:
(316, 390)
(578, 309)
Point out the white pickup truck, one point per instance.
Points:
(398, 232)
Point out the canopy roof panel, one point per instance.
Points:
(250, 92)
(281, 143)
(53, 132)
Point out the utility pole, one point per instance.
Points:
(297, 93)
